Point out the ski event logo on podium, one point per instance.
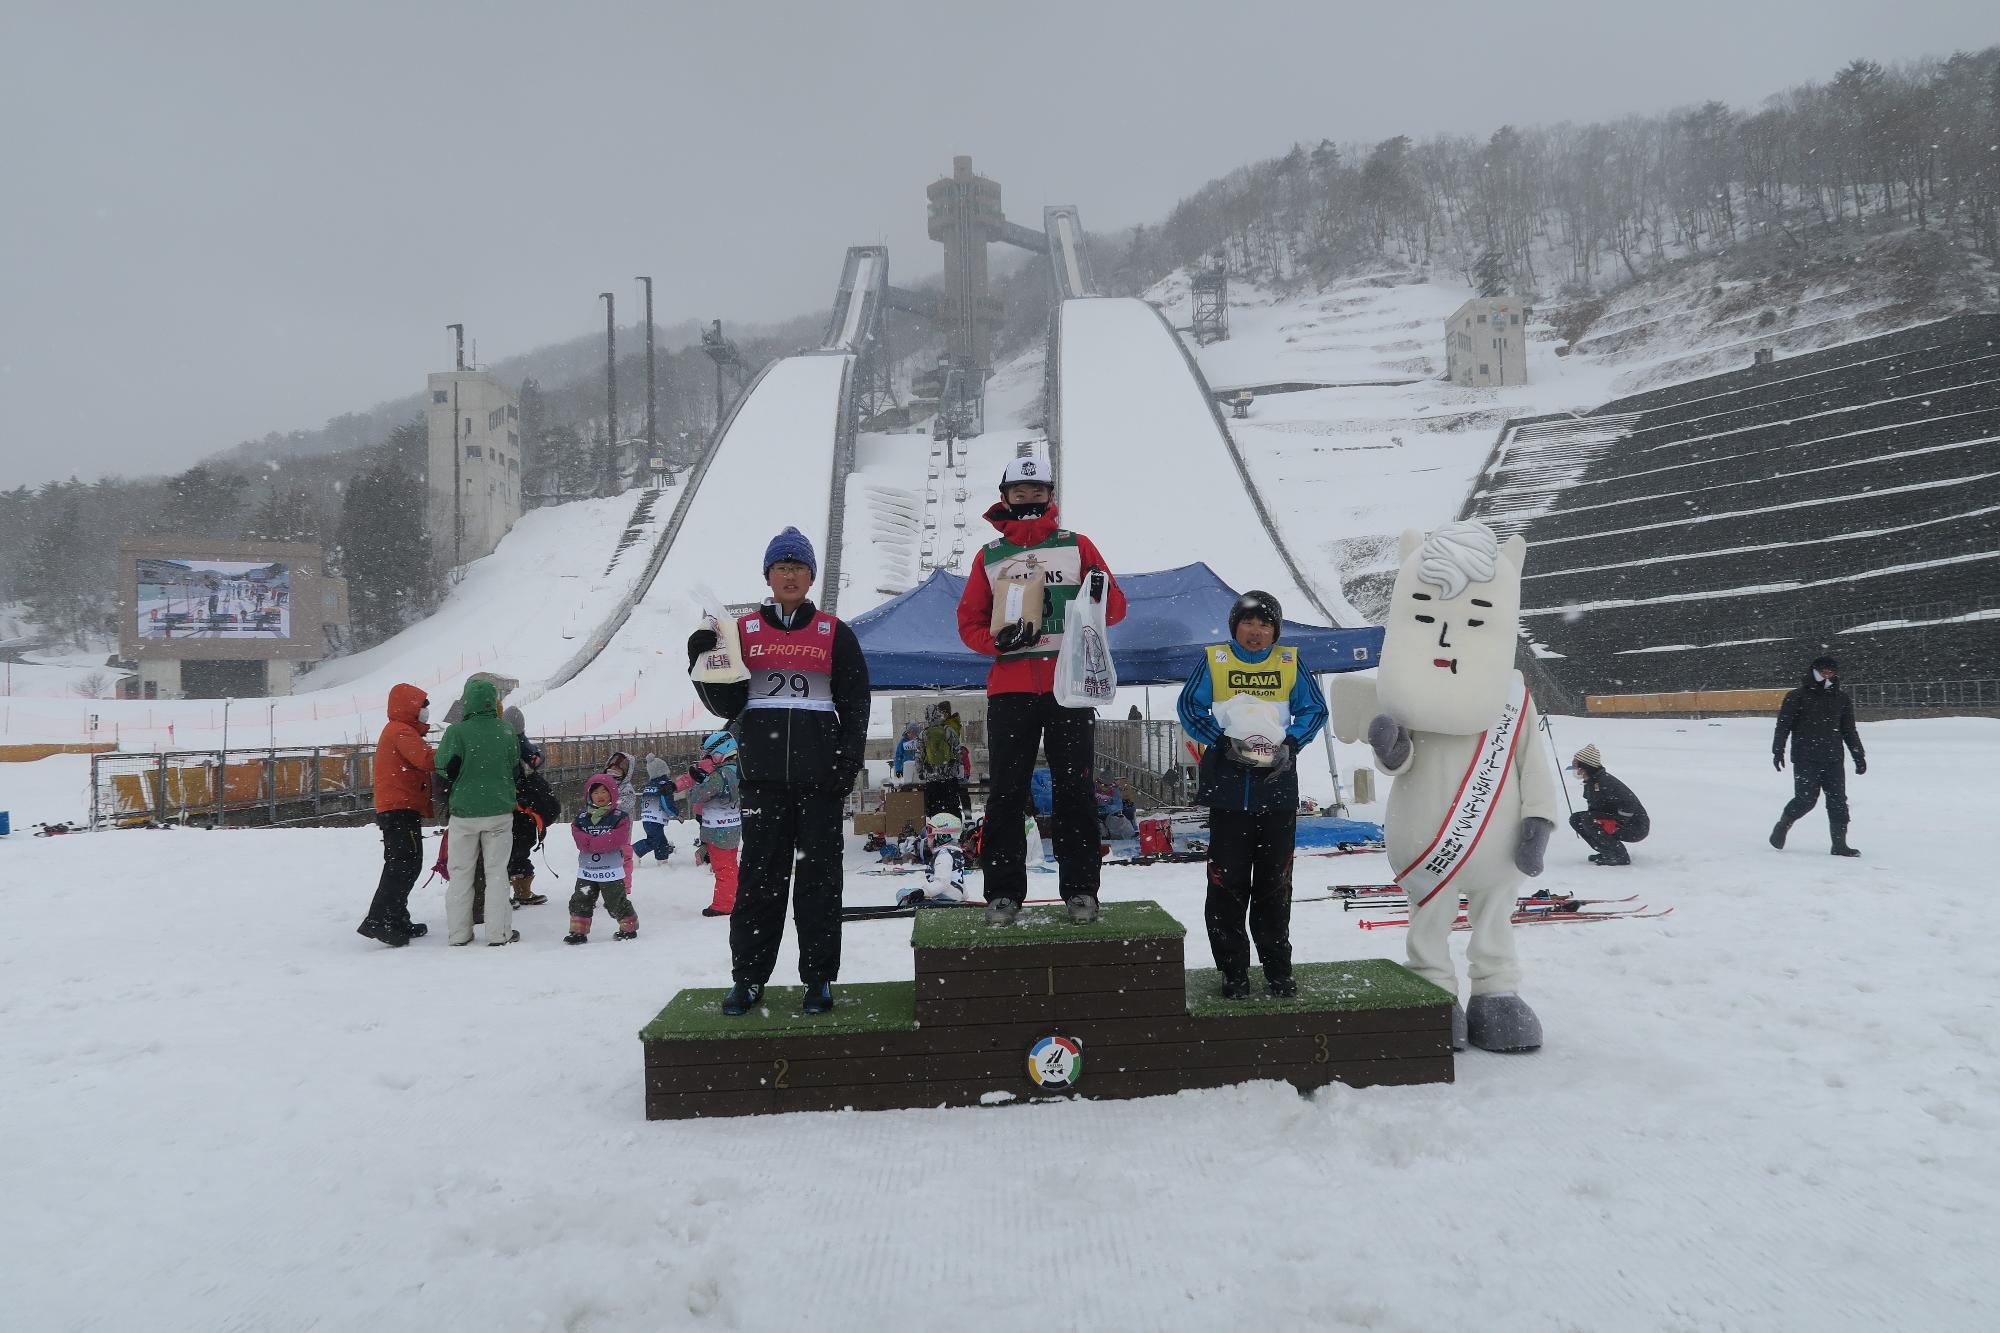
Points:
(1055, 1062)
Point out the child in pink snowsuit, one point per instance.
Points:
(603, 836)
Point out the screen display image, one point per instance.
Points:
(214, 599)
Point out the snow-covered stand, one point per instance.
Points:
(984, 1000)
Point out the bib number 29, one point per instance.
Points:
(794, 685)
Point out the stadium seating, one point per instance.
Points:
(1718, 534)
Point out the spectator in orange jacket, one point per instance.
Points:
(404, 762)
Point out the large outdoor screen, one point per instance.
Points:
(213, 599)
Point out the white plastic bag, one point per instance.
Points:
(1256, 725)
(1085, 676)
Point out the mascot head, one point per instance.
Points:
(1454, 618)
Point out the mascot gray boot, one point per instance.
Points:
(1502, 1023)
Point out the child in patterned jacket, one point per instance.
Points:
(603, 834)
(714, 786)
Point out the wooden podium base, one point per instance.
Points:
(1040, 1010)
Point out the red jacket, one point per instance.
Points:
(403, 761)
(1024, 675)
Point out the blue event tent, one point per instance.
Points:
(912, 642)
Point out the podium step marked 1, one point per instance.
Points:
(1042, 1010)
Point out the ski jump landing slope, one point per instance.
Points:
(1147, 468)
(771, 469)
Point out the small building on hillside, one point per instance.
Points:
(1486, 343)
(473, 423)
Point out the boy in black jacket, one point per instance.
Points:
(804, 722)
(1612, 815)
(1818, 717)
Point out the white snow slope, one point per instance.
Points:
(1774, 1110)
(773, 469)
(1142, 458)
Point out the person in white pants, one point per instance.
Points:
(493, 835)
(478, 757)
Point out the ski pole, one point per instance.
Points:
(1548, 729)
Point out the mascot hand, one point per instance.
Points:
(1534, 841)
(1391, 742)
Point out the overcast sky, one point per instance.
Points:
(218, 220)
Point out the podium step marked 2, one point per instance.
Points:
(1107, 1010)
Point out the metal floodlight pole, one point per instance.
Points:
(652, 435)
(457, 459)
(610, 392)
(222, 765)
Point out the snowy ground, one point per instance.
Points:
(1774, 1110)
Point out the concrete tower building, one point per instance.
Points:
(474, 428)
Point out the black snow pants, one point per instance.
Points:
(1250, 869)
(1608, 845)
(943, 796)
(1809, 779)
(521, 857)
(402, 862)
(791, 848)
(1015, 725)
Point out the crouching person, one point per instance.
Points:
(603, 834)
(1612, 815)
(804, 723)
(1252, 793)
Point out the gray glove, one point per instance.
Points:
(1534, 841)
(1391, 740)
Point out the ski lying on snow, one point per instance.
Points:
(1539, 918)
(1397, 902)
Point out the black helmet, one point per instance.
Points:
(1256, 605)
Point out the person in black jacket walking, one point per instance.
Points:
(1612, 815)
(1818, 716)
(803, 725)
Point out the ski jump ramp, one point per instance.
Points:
(1146, 463)
(768, 470)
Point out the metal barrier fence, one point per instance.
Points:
(1149, 759)
(1926, 693)
(321, 784)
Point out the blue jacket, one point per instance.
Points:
(656, 801)
(1226, 784)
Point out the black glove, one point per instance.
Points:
(1778, 760)
(1019, 634)
(1860, 764)
(1287, 754)
(699, 642)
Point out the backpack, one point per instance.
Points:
(940, 748)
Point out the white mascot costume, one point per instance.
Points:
(1474, 799)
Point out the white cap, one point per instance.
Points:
(1028, 469)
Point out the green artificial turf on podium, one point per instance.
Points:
(1347, 987)
(1043, 925)
(876, 1006)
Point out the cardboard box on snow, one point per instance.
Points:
(900, 808)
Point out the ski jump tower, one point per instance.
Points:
(966, 216)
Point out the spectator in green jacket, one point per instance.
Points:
(477, 758)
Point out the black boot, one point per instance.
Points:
(1778, 832)
(1840, 847)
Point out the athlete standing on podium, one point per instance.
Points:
(802, 723)
(1021, 711)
